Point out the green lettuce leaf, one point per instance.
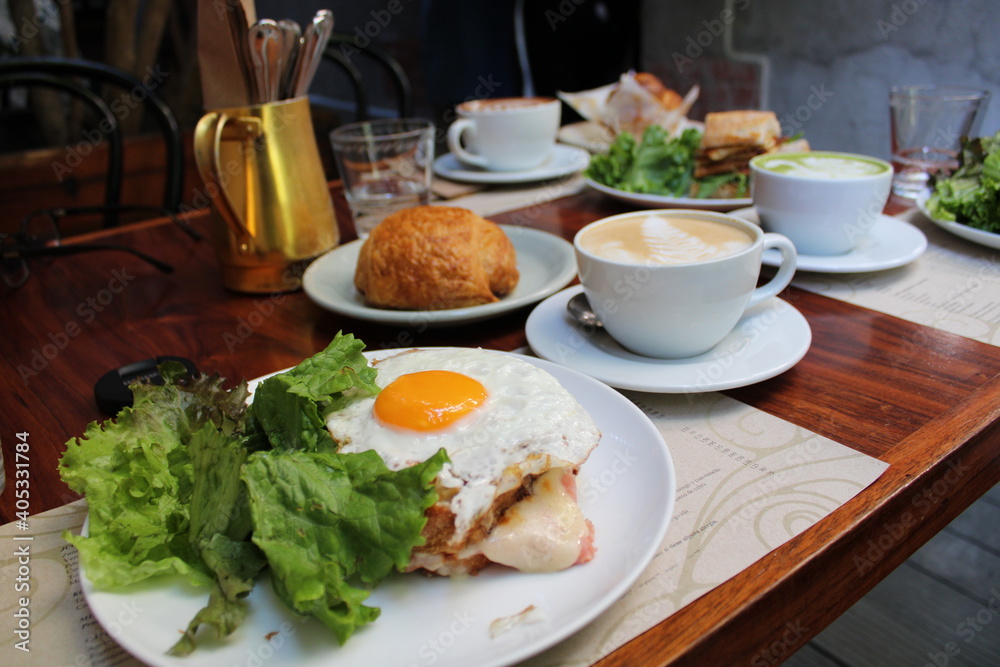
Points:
(137, 474)
(657, 165)
(971, 195)
(219, 529)
(289, 408)
(334, 525)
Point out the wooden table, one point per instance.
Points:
(924, 401)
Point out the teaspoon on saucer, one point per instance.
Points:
(580, 309)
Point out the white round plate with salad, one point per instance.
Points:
(960, 229)
(969, 190)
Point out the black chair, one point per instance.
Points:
(341, 49)
(83, 78)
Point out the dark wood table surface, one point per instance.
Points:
(924, 401)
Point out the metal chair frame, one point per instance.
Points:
(66, 73)
(335, 52)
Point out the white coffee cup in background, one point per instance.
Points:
(673, 284)
(825, 202)
(505, 134)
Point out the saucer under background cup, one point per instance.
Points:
(770, 339)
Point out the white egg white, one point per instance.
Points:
(528, 424)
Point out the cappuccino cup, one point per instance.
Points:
(673, 283)
(505, 134)
(825, 202)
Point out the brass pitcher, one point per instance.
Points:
(271, 207)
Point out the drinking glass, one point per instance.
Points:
(386, 165)
(927, 123)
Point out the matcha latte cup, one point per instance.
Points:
(825, 202)
(672, 284)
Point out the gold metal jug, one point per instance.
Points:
(271, 207)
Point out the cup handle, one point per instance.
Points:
(455, 143)
(207, 148)
(785, 272)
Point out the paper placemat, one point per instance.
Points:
(503, 198)
(747, 483)
(954, 286)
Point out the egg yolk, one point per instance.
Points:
(428, 400)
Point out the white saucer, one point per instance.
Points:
(545, 261)
(767, 341)
(891, 243)
(563, 161)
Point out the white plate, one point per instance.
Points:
(545, 261)
(437, 620)
(767, 341)
(891, 243)
(563, 161)
(665, 201)
(980, 236)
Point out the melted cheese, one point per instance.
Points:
(545, 532)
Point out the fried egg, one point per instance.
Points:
(499, 418)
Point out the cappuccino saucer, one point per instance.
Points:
(562, 161)
(891, 243)
(769, 339)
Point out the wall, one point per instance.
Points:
(825, 68)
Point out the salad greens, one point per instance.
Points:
(971, 195)
(659, 165)
(191, 481)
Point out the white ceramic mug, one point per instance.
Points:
(825, 202)
(697, 282)
(505, 134)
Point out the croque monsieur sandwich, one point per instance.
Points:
(732, 138)
(515, 438)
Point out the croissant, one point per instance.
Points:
(435, 258)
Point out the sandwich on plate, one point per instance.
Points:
(732, 138)
(515, 439)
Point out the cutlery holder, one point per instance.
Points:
(270, 202)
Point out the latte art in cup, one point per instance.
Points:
(501, 104)
(662, 240)
(822, 165)
(671, 285)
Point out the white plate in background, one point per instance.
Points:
(546, 264)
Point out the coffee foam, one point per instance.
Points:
(501, 104)
(664, 240)
(822, 166)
